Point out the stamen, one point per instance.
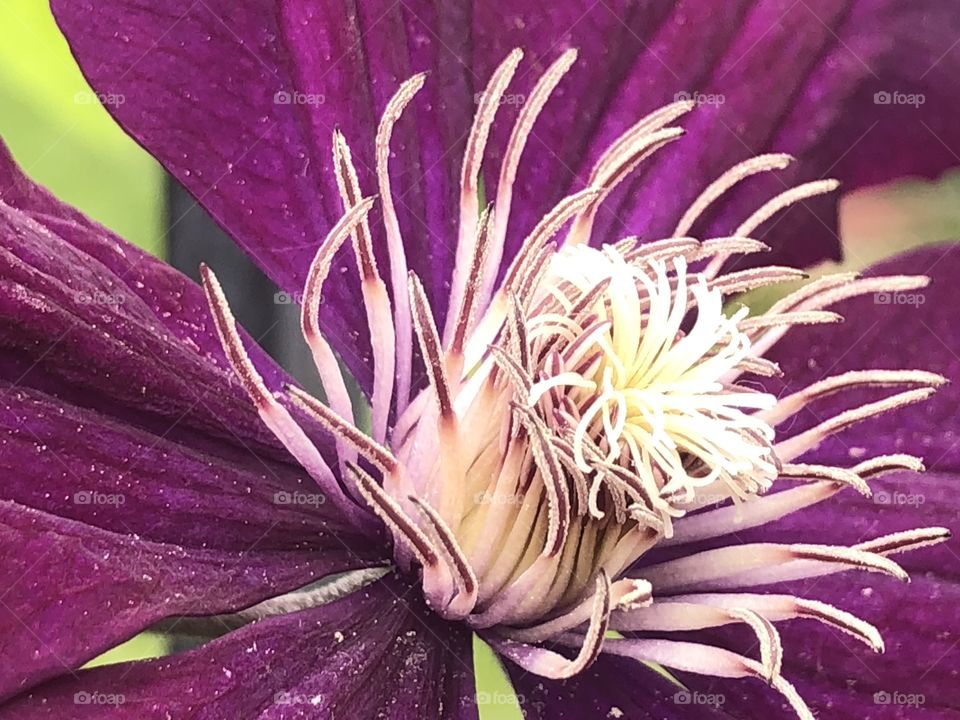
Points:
(552, 665)
(809, 439)
(377, 305)
(507, 363)
(875, 467)
(864, 286)
(397, 253)
(754, 513)
(623, 593)
(674, 614)
(469, 304)
(430, 345)
(613, 172)
(438, 584)
(761, 564)
(465, 599)
(811, 289)
(905, 541)
(733, 176)
(547, 227)
(660, 250)
(274, 415)
(826, 472)
(344, 430)
(834, 293)
(376, 299)
(771, 208)
(730, 246)
(850, 556)
(759, 366)
(705, 660)
(813, 317)
(531, 276)
(777, 608)
(533, 247)
(785, 200)
(871, 552)
(651, 123)
(558, 498)
(469, 178)
(323, 357)
(349, 186)
(511, 161)
(855, 379)
(519, 340)
(752, 278)
(845, 622)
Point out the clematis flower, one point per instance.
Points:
(572, 432)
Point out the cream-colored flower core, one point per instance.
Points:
(604, 409)
(588, 408)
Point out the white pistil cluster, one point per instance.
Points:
(584, 411)
(649, 383)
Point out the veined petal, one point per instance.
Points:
(370, 654)
(78, 464)
(139, 479)
(884, 330)
(267, 82)
(72, 590)
(911, 680)
(635, 57)
(270, 82)
(613, 687)
(90, 318)
(174, 299)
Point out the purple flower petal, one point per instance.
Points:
(176, 301)
(80, 465)
(239, 102)
(613, 687)
(138, 475)
(71, 591)
(916, 329)
(914, 678)
(99, 323)
(368, 655)
(835, 675)
(819, 108)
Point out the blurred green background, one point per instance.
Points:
(65, 140)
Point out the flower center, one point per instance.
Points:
(603, 408)
(583, 411)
